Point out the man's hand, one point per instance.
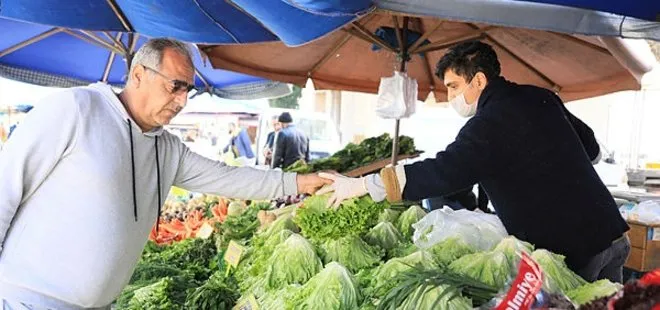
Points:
(343, 188)
(310, 183)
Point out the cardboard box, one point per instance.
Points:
(645, 246)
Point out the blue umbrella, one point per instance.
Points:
(294, 22)
(52, 56)
(642, 9)
(573, 18)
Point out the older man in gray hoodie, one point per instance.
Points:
(84, 178)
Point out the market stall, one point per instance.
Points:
(212, 253)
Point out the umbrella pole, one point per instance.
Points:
(403, 44)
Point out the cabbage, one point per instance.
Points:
(255, 264)
(351, 252)
(403, 249)
(449, 250)
(278, 299)
(383, 277)
(408, 218)
(389, 215)
(293, 261)
(590, 291)
(283, 222)
(557, 274)
(435, 298)
(384, 235)
(512, 248)
(334, 288)
(491, 268)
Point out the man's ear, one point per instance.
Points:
(137, 75)
(481, 80)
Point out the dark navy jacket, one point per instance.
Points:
(291, 144)
(533, 159)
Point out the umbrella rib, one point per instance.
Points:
(120, 15)
(217, 23)
(545, 78)
(454, 40)
(426, 61)
(29, 41)
(338, 45)
(89, 40)
(425, 36)
(583, 43)
(111, 59)
(373, 38)
(399, 35)
(117, 40)
(105, 43)
(202, 78)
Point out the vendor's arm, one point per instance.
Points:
(200, 174)
(479, 150)
(47, 134)
(584, 132)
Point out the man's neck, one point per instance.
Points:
(125, 97)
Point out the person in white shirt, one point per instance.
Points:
(85, 175)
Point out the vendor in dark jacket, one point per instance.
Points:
(291, 144)
(530, 154)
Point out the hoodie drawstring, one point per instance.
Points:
(130, 133)
(158, 188)
(160, 202)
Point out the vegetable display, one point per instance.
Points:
(357, 155)
(360, 256)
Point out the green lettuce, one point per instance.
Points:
(382, 279)
(292, 262)
(334, 288)
(449, 250)
(513, 247)
(320, 223)
(492, 268)
(591, 291)
(384, 235)
(352, 252)
(436, 298)
(408, 218)
(557, 274)
(389, 215)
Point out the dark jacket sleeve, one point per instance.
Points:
(584, 132)
(479, 150)
(280, 151)
(307, 151)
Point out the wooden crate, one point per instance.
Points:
(645, 246)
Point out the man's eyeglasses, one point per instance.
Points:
(178, 86)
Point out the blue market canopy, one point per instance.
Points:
(294, 22)
(639, 19)
(60, 57)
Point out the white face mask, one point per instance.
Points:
(462, 107)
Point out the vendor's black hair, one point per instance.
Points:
(467, 59)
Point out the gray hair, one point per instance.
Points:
(151, 53)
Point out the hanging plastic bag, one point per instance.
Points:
(397, 96)
(477, 229)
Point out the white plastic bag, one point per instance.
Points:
(647, 212)
(480, 230)
(397, 96)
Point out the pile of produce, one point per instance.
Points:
(356, 155)
(360, 256)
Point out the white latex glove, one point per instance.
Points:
(342, 188)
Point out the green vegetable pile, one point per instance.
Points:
(355, 217)
(356, 155)
(359, 256)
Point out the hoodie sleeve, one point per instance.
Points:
(46, 135)
(200, 174)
